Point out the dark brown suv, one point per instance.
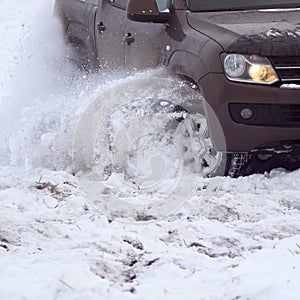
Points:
(242, 56)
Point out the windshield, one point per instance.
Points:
(215, 5)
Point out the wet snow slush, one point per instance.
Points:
(225, 239)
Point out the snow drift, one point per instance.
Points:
(231, 239)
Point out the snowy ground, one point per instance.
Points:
(230, 238)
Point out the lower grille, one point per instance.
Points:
(291, 113)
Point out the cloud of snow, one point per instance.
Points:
(40, 91)
(37, 93)
(32, 62)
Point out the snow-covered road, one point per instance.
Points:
(230, 238)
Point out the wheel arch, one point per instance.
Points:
(189, 68)
(79, 37)
(77, 19)
(187, 65)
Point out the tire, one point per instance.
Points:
(239, 164)
(172, 124)
(152, 111)
(197, 149)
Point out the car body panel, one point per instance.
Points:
(148, 45)
(189, 45)
(110, 44)
(239, 136)
(229, 28)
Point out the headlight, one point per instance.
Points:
(249, 68)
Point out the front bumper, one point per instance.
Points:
(275, 117)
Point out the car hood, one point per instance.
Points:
(264, 32)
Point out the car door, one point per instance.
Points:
(143, 44)
(109, 33)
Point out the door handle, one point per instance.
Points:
(128, 38)
(101, 28)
